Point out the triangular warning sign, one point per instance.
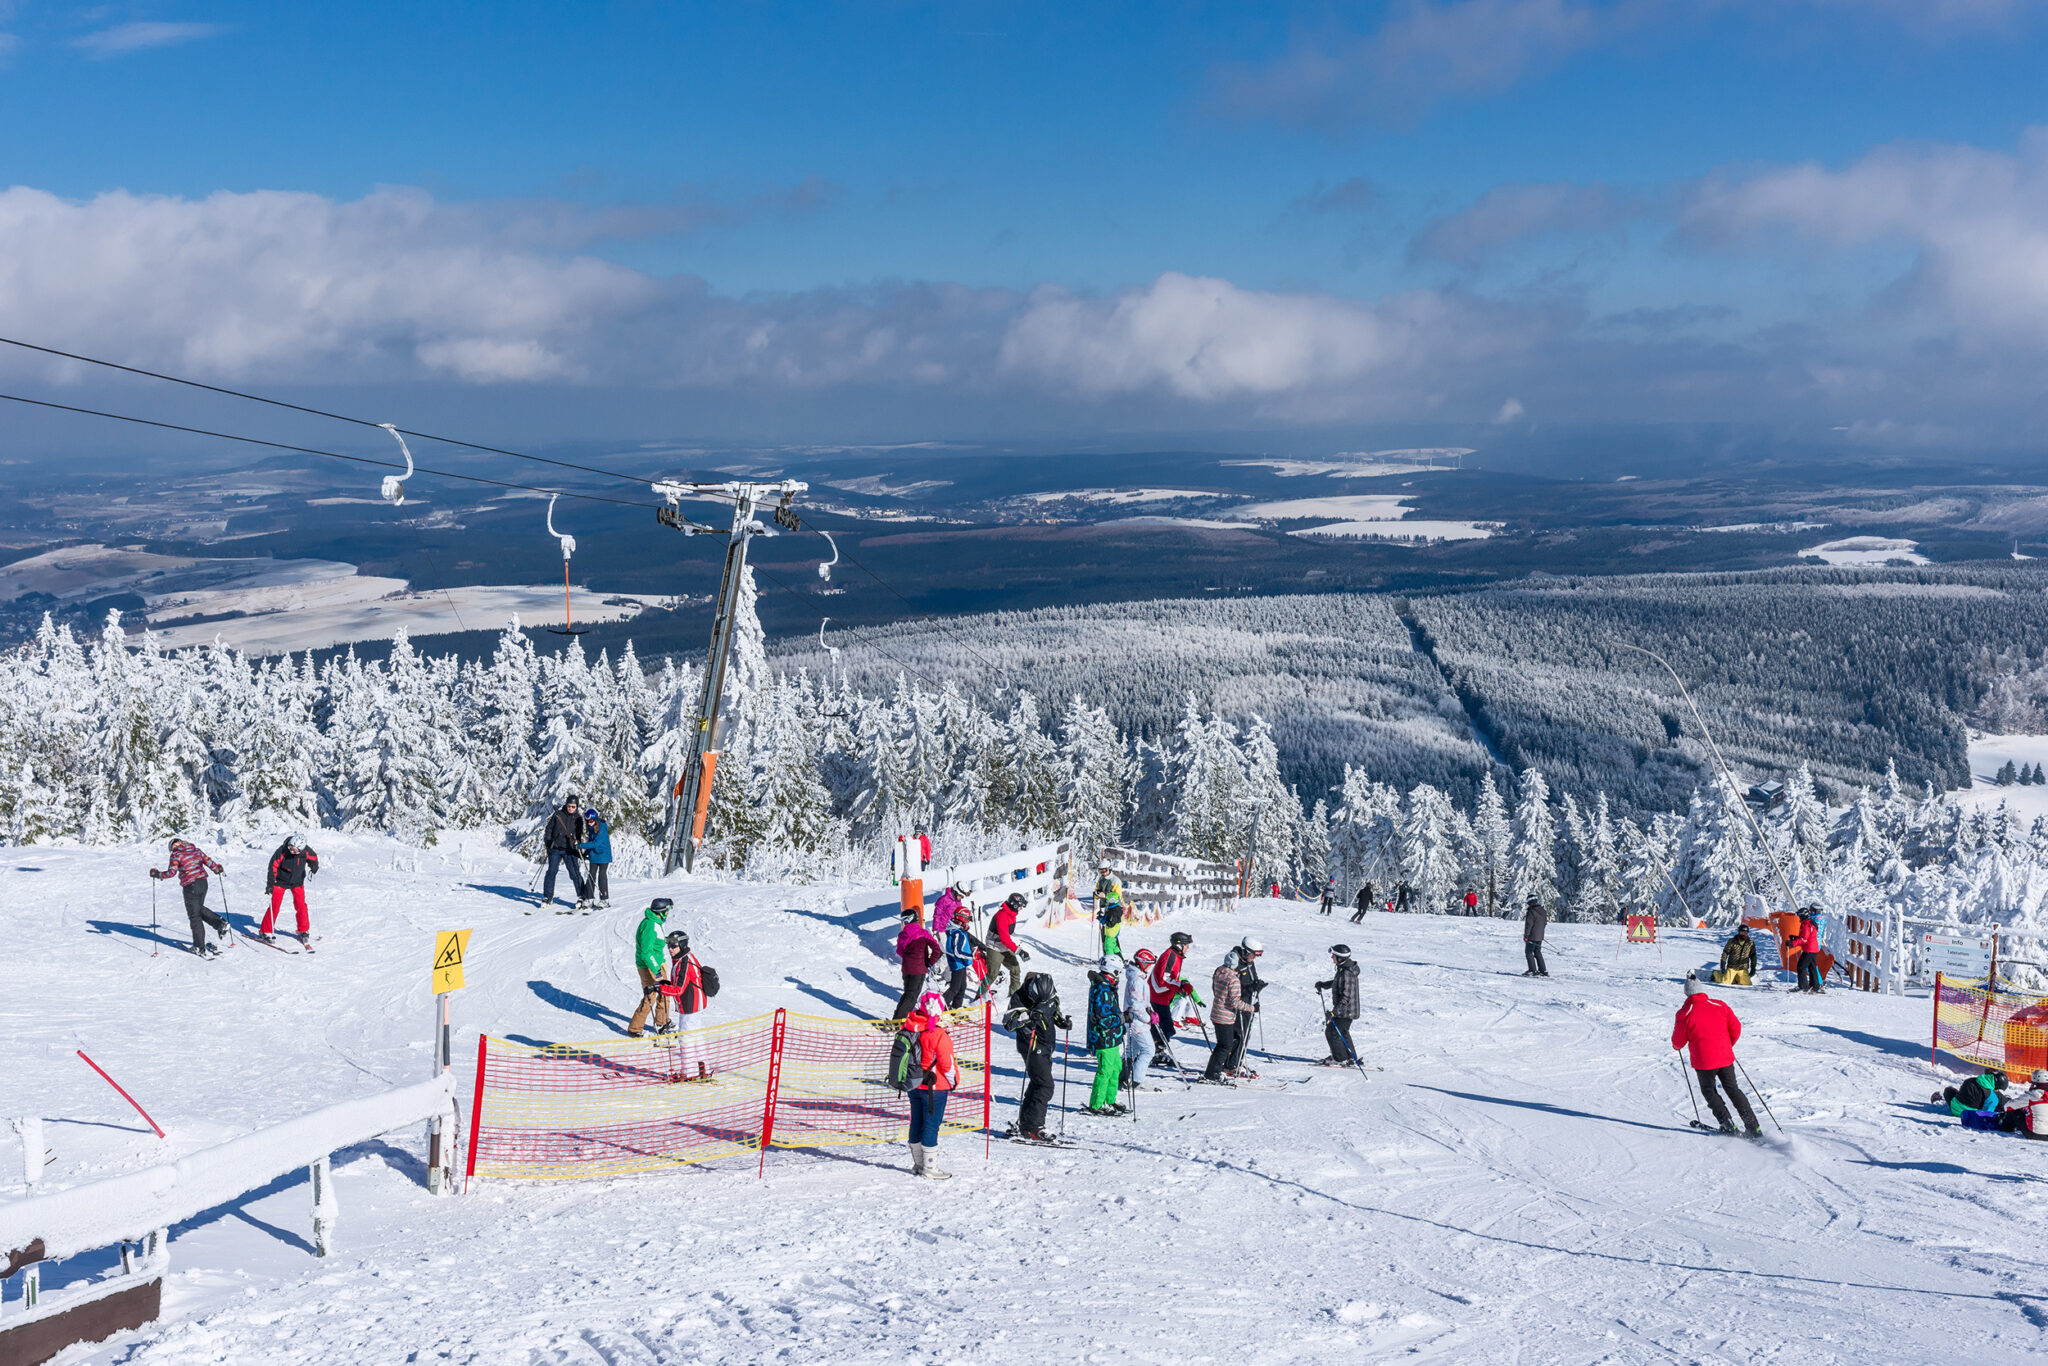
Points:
(450, 955)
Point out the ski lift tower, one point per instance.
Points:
(690, 799)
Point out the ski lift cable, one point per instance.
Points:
(806, 599)
(311, 450)
(318, 412)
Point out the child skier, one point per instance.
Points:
(960, 947)
(1709, 1028)
(1035, 1021)
(597, 848)
(290, 866)
(1137, 1011)
(189, 864)
(1001, 951)
(693, 984)
(1106, 1036)
(2027, 1113)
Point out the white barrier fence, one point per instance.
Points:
(1043, 873)
(141, 1207)
(1157, 883)
(1886, 952)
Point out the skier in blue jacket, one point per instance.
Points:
(597, 847)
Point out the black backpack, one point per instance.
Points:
(707, 977)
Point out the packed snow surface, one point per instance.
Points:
(1878, 550)
(1518, 1184)
(1988, 754)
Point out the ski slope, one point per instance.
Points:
(1518, 1184)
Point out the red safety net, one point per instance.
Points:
(623, 1106)
(2002, 1030)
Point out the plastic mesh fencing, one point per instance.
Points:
(619, 1107)
(2002, 1030)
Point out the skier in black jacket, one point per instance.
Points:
(1534, 921)
(564, 842)
(1343, 989)
(1035, 1020)
(1364, 903)
(290, 866)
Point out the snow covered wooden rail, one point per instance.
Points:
(1043, 873)
(1157, 883)
(142, 1207)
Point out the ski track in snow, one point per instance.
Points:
(1519, 1184)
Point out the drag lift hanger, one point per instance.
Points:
(394, 484)
(690, 800)
(568, 626)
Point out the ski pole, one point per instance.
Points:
(1697, 1121)
(1066, 1069)
(153, 937)
(1759, 1094)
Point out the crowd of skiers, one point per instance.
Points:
(290, 865)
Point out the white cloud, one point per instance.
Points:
(1975, 221)
(1510, 409)
(141, 37)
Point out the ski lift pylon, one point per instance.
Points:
(394, 484)
(568, 626)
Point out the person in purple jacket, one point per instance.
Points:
(917, 950)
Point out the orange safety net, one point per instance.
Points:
(2001, 1030)
(619, 1107)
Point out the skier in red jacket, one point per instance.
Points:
(1001, 950)
(1807, 941)
(1709, 1028)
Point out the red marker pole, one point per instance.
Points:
(124, 1095)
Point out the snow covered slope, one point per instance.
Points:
(1518, 1184)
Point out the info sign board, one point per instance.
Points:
(1957, 957)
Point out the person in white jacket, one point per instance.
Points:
(1137, 1008)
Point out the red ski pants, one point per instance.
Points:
(298, 904)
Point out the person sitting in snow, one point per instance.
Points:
(1980, 1095)
(1738, 959)
(2027, 1113)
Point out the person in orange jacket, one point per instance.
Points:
(1709, 1028)
(937, 1075)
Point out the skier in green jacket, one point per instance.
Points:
(650, 959)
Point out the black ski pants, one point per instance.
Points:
(1220, 1055)
(1809, 972)
(1244, 1039)
(956, 988)
(1338, 1033)
(1725, 1076)
(556, 858)
(600, 881)
(913, 987)
(196, 912)
(1037, 1090)
(1534, 953)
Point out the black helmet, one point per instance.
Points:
(1037, 989)
(1180, 939)
(678, 942)
(1017, 900)
(1340, 950)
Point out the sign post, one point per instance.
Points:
(450, 948)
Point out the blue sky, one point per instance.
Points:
(1826, 214)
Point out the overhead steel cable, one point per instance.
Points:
(807, 600)
(314, 412)
(313, 450)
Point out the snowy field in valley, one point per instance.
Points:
(1868, 550)
(1360, 517)
(1988, 754)
(1518, 1184)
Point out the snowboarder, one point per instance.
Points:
(1534, 921)
(1249, 985)
(936, 1076)
(563, 837)
(650, 960)
(597, 847)
(1363, 904)
(1001, 951)
(189, 864)
(960, 947)
(1109, 911)
(1738, 959)
(1168, 987)
(1329, 901)
(290, 866)
(917, 950)
(1343, 989)
(1223, 1014)
(1141, 1045)
(1710, 1030)
(1035, 1020)
(1807, 941)
(1106, 1036)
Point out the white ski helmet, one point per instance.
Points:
(1251, 945)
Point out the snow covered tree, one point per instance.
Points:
(1427, 852)
(1532, 863)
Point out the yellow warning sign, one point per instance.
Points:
(450, 947)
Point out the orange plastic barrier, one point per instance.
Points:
(2002, 1030)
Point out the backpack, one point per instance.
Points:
(707, 978)
(904, 1072)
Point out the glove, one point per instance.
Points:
(1063, 1022)
(1023, 956)
(1130, 1017)
(1324, 986)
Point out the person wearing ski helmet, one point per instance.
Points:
(1167, 987)
(189, 864)
(1106, 1036)
(692, 984)
(1140, 1038)
(1035, 1021)
(960, 946)
(1329, 901)
(1226, 1007)
(1249, 985)
(1002, 951)
(1109, 911)
(934, 1074)
(650, 960)
(597, 848)
(1709, 1029)
(2027, 1113)
(290, 866)
(1343, 1009)
(1534, 921)
(1807, 941)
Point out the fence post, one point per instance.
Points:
(988, 1075)
(1934, 1047)
(476, 1110)
(774, 1085)
(324, 1207)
